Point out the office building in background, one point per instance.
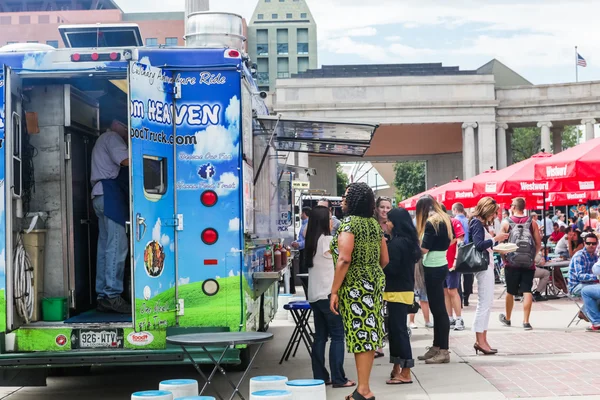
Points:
(36, 21)
(282, 40)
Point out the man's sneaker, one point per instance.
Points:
(527, 326)
(593, 328)
(431, 351)
(114, 305)
(452, 322)
(504, 321)
(537, 296)
(413, 325)
(428, 324)
(442, 357)
(460, 325)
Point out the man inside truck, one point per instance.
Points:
(110, 186)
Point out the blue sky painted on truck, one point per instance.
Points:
(536, 38)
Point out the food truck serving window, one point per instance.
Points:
(155, 175)
(105, 35)
(318, 136)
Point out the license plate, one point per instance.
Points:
(98, 339)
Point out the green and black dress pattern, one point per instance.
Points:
(361, 293)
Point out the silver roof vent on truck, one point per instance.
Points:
(212, 29)
(25, 48)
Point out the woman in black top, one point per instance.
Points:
(404, 252)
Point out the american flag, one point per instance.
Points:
(581, 61)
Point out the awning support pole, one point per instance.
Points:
(264, 157)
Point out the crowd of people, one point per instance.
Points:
(381, 258)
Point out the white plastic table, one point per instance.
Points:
(225, 339)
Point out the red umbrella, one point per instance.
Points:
(575, 168)
(516, 180)
(447, 194)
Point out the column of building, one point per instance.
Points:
(589, 128)
(502, 145)
(545, 132)
(469, 161)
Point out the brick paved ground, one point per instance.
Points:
(543, 378)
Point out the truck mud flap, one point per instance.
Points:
(23, 377)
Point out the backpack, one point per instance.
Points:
(520, 234)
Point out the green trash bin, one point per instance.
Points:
(54, 309)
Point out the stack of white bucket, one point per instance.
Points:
(302, 389)
(173, 389)
(269, 387)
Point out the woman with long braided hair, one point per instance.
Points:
(359, 253)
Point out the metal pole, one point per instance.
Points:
(576, 65)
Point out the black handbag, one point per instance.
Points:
(470, 260)
(414, 308)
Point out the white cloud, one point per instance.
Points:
(165, 240)
(231, 273)
(393, 38)
(232, 113)
(172, 247)
(366, 31)
(234, 225)
(2, 262)
(156, 231)
(184, 281)
(227, 183)
(215, 139)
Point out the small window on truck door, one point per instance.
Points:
(155, 176)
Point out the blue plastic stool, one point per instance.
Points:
(152, 395)
(301, 313)
(271, 394)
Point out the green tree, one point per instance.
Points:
(526, 142)
(409, 178)
(342, 180)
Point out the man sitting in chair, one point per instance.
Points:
(591, 301)
(581, 277)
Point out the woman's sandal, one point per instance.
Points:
(397, 381)
(357, 396)
(348, 383)
(379, 354)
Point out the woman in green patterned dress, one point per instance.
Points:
(359, 253)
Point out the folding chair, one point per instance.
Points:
(573, 298)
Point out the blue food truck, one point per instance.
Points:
(207, 194)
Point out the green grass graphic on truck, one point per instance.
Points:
(221, 310)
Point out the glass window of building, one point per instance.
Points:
(171, 41)
(303, 15)
(282, 42)
(32, 41)
(53, 43)
(260, 16)
(6, 20)
(289, 15)
(302, 35)
(151, 42)
(302, 64)
(262, 74)
(274, 16)
(262, 40)
(283, 67)
(44, 19)
(24, 19)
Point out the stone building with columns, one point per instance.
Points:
(459, 122)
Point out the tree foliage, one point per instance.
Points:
(342, 180)
(526, 142)
(409, 178)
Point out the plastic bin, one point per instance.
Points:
(54, 309)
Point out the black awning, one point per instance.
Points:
(317, 136)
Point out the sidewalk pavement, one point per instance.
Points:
(548, 362)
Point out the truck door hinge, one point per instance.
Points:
(177, 222)
(177, 90)
(68, 147)
(180, 307)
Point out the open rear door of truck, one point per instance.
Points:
(153, 219)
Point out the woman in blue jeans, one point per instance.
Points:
(320, 279)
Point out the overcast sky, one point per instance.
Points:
(536, 38)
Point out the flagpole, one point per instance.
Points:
(576, 66)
